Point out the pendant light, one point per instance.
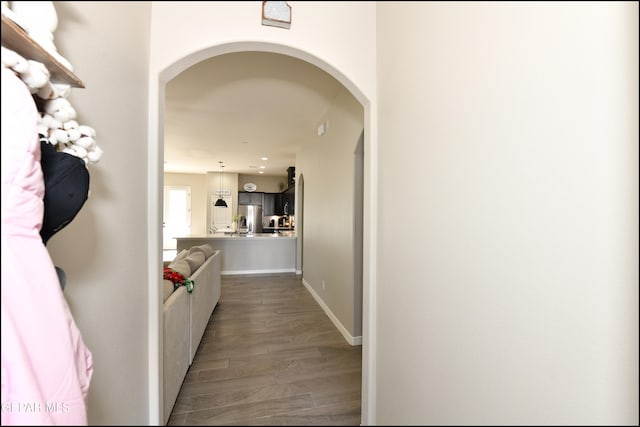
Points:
(220, 202)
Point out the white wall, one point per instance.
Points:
(265, 184)
(513, 296)
(327, 163)
(198, 184)
(104, 249)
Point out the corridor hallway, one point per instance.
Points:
(270, 356)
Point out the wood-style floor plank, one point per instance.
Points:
(270, 356)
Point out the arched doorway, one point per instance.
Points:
(156, 152)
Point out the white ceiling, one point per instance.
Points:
(239, 107)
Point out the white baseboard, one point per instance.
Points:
(245, 272)
(350, 339)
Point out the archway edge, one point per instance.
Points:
(189, 60)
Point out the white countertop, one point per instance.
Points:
(259, 253)
(235, 236)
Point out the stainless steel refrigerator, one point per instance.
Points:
(250, 221)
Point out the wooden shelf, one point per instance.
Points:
(16, 38)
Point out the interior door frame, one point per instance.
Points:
(155, 174)
(299, 227)
(165, 208)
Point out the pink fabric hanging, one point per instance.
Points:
(46, 368)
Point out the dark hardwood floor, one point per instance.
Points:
(270, 356)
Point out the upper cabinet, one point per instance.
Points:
(291, 176)
(289, 201)
(250, 198)
(279, 203)
(268, 204)
(271, 204)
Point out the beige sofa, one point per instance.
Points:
(186, 315)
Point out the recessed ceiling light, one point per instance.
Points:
(262, 167)
(264, 158)
(261, 172)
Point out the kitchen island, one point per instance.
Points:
(259, 253)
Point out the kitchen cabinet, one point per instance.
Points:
(289, 200)
(279, 204)
(250, 198)
(274, 203)
(257, 254)
(268, 204)
(291, 176)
